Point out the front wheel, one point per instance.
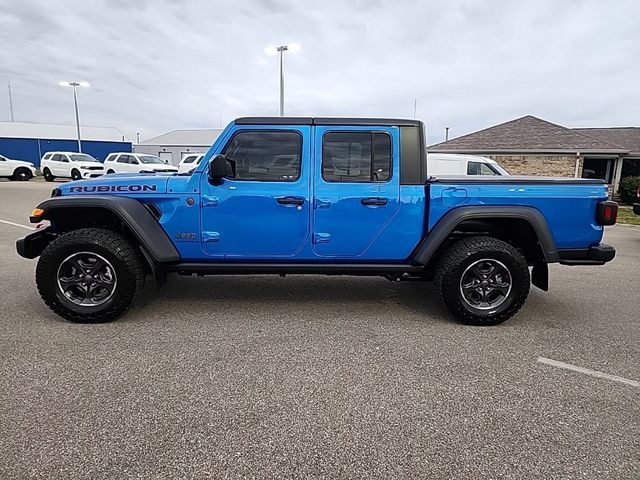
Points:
(482, 280)
(89, 275)
(75, 175)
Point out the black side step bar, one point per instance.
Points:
(292, 268)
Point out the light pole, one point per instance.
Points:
(75, 86)
(292, 47)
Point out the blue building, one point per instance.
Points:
(29, 141)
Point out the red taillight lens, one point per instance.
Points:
(607, 213)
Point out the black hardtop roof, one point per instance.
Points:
(396, 122)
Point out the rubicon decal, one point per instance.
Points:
(114, 188)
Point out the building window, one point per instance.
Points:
(598, 168)
(272, 156)
(356, 157)
(630, 167)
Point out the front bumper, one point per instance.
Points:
(636, 208)
(33, 244)
(92, 173)
(595, 255)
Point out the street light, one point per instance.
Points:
(292, 47)
(75, 86)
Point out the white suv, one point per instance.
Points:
(16, 169)
(127, 162)
(190, 162)
(70, 165)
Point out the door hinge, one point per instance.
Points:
(210, 237)
(321, 237)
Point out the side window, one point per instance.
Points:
(356, 157)
(56, 158)
(133, 160)
(272, 156)
(123, 159)
(189, 159)
(478, 168)
(111, 158)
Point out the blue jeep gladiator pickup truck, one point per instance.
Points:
(316, 196)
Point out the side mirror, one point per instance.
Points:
(217, 168)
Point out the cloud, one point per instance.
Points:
(162, 65)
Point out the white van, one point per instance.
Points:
(458, 164)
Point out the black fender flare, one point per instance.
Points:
(447, 224)
(134, 215)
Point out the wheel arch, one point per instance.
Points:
(122, 214)
(523, 227)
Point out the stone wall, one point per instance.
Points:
(535, 164)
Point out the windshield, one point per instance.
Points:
(150, 159)
(81, 157)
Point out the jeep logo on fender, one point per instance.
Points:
(114, 188)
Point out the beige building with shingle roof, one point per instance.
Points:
(532, 146)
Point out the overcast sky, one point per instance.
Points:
(158, 65)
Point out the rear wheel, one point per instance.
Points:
(22, 174)
(482, 280)
(89, 275)
(48, 177)
(75, 175)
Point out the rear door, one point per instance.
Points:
(356, 188)
(262, 210)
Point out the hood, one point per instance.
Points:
(88, 164)
(21, 163)
(118, 184)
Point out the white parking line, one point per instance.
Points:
(588, 371)
(16, 224)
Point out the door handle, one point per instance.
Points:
(290, 200)
(373, 201)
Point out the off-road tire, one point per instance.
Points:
(47, 175)
(76, 175)
(462, 254)
(108, 244)
(22, 174)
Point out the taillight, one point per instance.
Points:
(607, 213)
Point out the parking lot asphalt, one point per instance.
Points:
(310, 376)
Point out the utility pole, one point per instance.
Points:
(10, 101)
(138, 137)
(415, 107)
(446, 134)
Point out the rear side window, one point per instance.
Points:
(356, 157)
(272, 156)
(478, 168)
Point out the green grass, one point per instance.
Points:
(626, 215)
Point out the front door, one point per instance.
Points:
(262, 211)
(356, 188)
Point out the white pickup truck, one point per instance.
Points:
(76, 166)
